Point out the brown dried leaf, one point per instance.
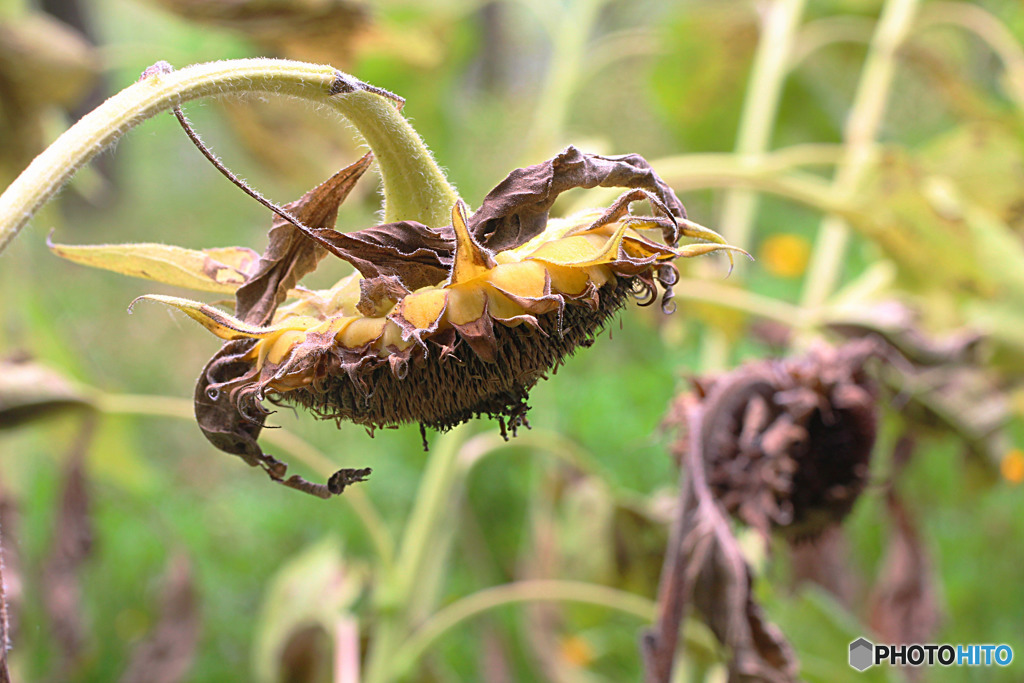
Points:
(377, 295)
(705, 566)
(235, 433)
(72, 545)
(511, 214)
(825, 562)
(218, 418)
(290, 255)
(517, 209)
(903, 606)
(945, 381)
(30, 391)
(417, 255)
(723, 594)
(324, 31)
(166, 655)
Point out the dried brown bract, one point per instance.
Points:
(787, 444)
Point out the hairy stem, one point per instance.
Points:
(414, 186)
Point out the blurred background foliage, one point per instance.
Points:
(137, 552)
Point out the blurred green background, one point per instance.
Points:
(930, 187)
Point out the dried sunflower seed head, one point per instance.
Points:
(375, 351)
(438, 325)
(787, 444)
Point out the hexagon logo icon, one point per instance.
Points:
(861, 654)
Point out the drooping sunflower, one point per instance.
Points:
(436, 326)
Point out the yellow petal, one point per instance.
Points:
(471, 260)
(501, 307)
(422, 309)
(211, 270)
(524, 278)
(704, 248)
(361, 331)
(280, 348)
(688, 228)
(567, 280)
(222, 324)
(391, 337)
(465, 304)
(582, 250)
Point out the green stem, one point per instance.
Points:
(414, 186)
(757, 120)
(424, 532)
(710, 292)
(760, 108)
(990, 29)
(769, 173)
(513, 593)
(569, 40)
(821, 33)
(301, 450)
(861, 130)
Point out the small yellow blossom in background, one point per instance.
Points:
(785, 255)
(1012, 466)
(576, 651)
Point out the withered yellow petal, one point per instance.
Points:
(523, 278)
(361, 331)
(582, 250)
(471, 260)
(501, 307)
(211, 270)
(279, 349)
(690, 229)
(222, 324)
(391, 337)
(465, 304)
(422, 309)
(704, 248)
(567, 280)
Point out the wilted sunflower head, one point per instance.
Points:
(437, 325)
(786, 444)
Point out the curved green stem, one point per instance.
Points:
(424, 542)
(760, 108)
(861, 129)
(717, 294)
(575, 23)
(819, 34)
(303, 451)
(987, 27)
(521, 591)
(771, 173)
(414, 186)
